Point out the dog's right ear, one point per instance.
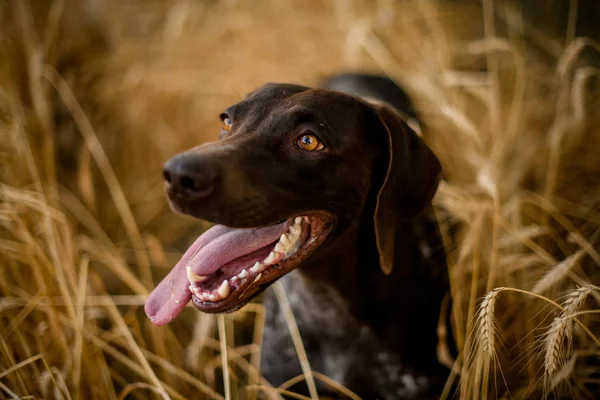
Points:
(411, 179)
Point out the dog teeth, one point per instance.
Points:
(286, 245)
(224, 289)
(234, 278)
(257, 278)
(257, 267)
(201, 296)
(194, 277)
(279, 248)
(212, 297)
(295, 230)
(195, 291)
(269, 260)
(293, 239)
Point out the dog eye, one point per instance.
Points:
(310, 143)
(227, 123)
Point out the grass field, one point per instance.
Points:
(95, 96)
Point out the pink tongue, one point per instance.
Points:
(212, 250)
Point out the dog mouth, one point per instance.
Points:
(226, 267)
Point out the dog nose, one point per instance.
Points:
(190, 175)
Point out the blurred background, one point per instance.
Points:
(96, 95)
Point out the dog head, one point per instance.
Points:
(293, 169)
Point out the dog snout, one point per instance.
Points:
(191, 176)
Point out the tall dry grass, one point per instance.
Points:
(94, 97)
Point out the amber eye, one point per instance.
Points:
(309, 143)
(227, 123)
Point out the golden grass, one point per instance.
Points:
(95, 96)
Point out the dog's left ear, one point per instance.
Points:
(411, 180)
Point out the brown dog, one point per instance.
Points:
(334, 186)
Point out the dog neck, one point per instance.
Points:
(402, 308)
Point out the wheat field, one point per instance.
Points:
(95, 96)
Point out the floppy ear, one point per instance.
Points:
(411, 180)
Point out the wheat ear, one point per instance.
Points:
(486, 332)
(561, 330)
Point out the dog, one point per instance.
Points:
(327, 191)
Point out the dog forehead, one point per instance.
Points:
(325, 102)
(275, 109)
(339, 113)
(261, 101)
(291, 98)
(273, 93)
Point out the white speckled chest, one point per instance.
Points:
(336, 343)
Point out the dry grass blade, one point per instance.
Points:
(558, 273)
(225, 363)
(257, 338)
(135, 386)
(136, 350)
(95, 148)
(7, 390)
(296, 339)
(276, 392)
(326, 380)
(15, 367)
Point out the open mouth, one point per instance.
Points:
(226, 267)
